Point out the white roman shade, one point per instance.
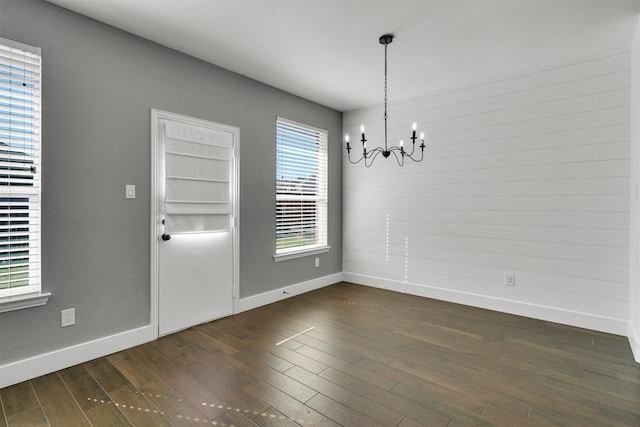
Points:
(197, 179)
(301, 187)
(20, 116)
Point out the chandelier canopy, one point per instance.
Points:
(398, 152)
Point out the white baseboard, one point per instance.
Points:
(265, 298)
(634, 340)
(612, 325)
(26, 369)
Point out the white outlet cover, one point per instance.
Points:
(68, 317)
(130, 191)
(510, 279)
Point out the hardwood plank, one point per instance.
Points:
(361, 404)
(350, 368)
(139, 410)
(517, 415)
(464, 389)
(339, 413)
(236, 419)
(291, 408)
(171, 349)
(295, 389)
(439, 385)
(158, 392)
(540, 365)
(223, 385)
(107, 415)
(207, 402)
(139, 375)
(535, 393)
(293, 357)
(211, 342)
(219, 338)
(437, 372)
(225, 372)
(177, 410)
(602, 403)
(554, 418)
(613, 386)
(3, 418)
(198, 396)
(18, 398)
(408, 422)
(83, 387)
(633, 377)
(335, 351)
(273, 418)
(450, 408)
(32, 418)
(57, 403)
(386, 398)
(106, 374)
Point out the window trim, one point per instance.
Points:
(20, 301)
(31, 295)
(323, 246)
(301, 253)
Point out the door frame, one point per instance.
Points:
(156, 215)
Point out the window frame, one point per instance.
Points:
(30, 295)
(320, 196)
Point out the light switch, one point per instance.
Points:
(130, 191)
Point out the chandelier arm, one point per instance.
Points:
(416, 160)
(372, 156)
(369, 155)
(352, 162)
(413, 144)
(400, 159)
(374, 153)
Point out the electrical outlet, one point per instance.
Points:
(317, 262)
(68, 317)
(509, 279)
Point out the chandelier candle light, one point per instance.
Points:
(369, 156)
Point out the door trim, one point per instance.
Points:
(156, 216)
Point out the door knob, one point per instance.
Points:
(166, 237)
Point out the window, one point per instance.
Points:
(20, 107)
(301, 190)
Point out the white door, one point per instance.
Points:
(195, 231)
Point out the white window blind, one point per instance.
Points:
(301, 187)
(20, 115)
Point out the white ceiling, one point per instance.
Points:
(328, 51)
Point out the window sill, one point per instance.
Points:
(19, 302)
(300, 254)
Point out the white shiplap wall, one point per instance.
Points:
(527, 174)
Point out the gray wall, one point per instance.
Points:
(99, 85)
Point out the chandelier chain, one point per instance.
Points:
(385, 97)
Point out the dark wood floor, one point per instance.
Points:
(373, 358)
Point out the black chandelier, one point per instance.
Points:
(398, 151)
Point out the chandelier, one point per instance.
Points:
(398, 152)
